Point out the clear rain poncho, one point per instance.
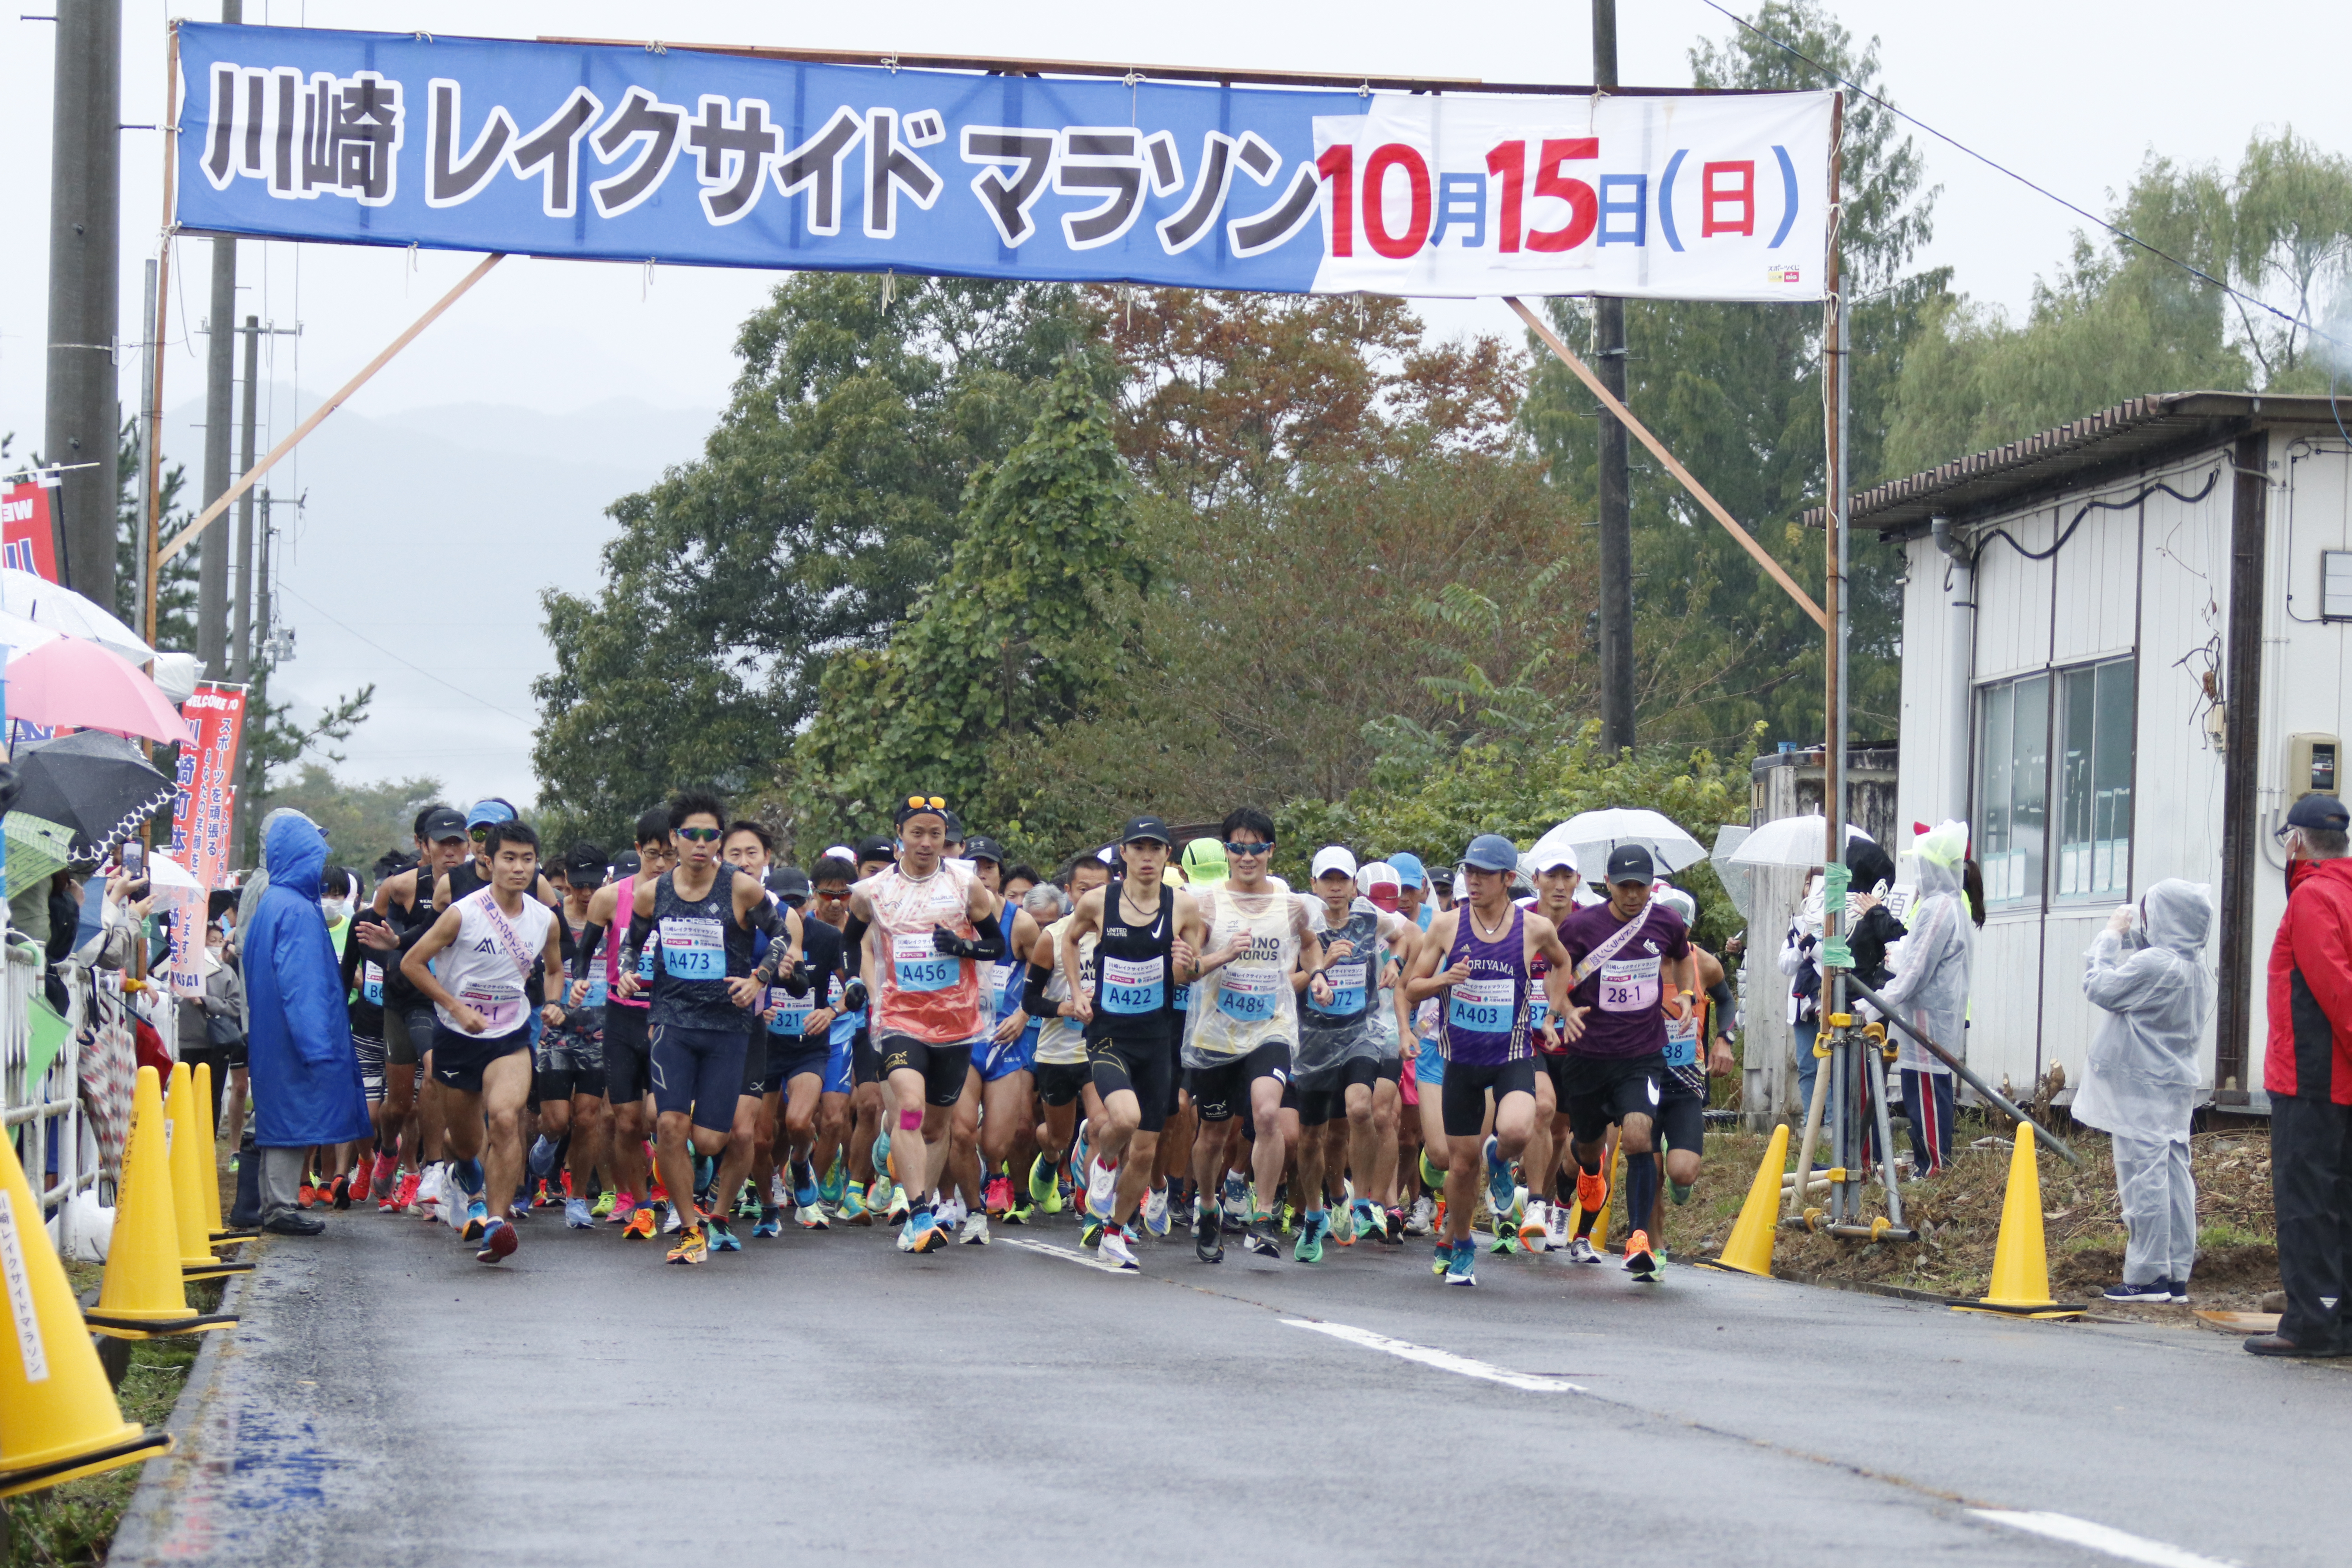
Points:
(2153, 987)
(1932, 964)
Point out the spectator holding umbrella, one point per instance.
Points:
(2307, 1069)
(304, 1076)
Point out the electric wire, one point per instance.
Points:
(2091, 506)
(289, 592)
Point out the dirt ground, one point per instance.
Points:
(1957, 1214)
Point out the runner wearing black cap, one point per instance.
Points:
(627, 1051)
(404, 911)
(996, 1094)
(1633, 970)
(568, 1080)
(748, 846)
(1489, 947)
(1149, 944)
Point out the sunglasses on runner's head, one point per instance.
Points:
(697, 834)
(925, 802)
(1234, 848)
(478, 835)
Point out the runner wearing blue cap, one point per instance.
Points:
(1488, 946)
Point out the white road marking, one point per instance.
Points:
(2100, 1538)
(1444, 1360)
(1066, 1255)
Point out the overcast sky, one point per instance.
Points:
(2073, 95)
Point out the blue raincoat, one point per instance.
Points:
(306, 1076)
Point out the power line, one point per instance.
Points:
(1989, 162)
(282, 587)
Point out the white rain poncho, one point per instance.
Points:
(1932, 964)
(2155, 997)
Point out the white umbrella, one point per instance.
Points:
(168, 874)
(67, 612)
(18, 635)
(1790, 841)
(1593, 833)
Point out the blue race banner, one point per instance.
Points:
(619, 153)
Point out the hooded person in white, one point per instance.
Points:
(2146, 973)
(1930, 989)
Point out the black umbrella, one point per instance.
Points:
(95, 784)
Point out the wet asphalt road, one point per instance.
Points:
(388, 1401)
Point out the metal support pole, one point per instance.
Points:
(2042, 1134)
(241, 641)
(149, 462)
(220, 385)
(82, 423)
(1612, 484)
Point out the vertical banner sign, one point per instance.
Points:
(699, 158)
(26, 540)
(200, 820)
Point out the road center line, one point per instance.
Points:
(1066, 1255)
(1444, 1360)
(2100, 1538)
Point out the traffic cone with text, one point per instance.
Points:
(144, 1295)
(2021, 1269)
(207, 1125)
(1749, 1250)
(59, 1420)
(191, 1166)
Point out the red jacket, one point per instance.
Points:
(2310, 1050)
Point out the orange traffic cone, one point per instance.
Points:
(59, 1420)
(143, 1295)
(207, 1121)
(1749, 1250)
(2020, 1269)
(189, 1150)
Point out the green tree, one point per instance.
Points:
(1033, 616)
(825, 502)
(362, 821)
(2290, 229)
(1735, 391)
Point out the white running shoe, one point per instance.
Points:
(1114, 1246)
(1535, 1228)
(1102, 1189)
(1580, 1250)
(671, 1222)
(1417, 1223)
(975, 1230)
(1155, 1211)
(953, 1213)
(430, 1189)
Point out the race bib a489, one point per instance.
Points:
(1247, 991)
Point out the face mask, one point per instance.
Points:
(337, 910)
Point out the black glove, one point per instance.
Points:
(987, 947)
(797, 983)
(853, 996)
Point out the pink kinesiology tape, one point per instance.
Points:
(910, 1121)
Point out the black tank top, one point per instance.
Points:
(703, 946)
(1133, 974)
(398, 994)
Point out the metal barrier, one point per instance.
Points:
(43, 1116)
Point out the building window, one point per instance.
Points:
(2094, 780)
(2012, 787)
(2089, 774)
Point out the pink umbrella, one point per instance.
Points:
(74, 683)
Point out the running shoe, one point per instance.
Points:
(998, 1197)
(380, 1180)
(899, 1208)
(693, 1247)
(603, 1207)
(748, 1206)
(1236, 1198)
(1417, 1222)
(1555, 1227)
(974, 1231)
(1155, 1211)
(403, 1196)
(1501, 1191)
(541, 1159)
(722, 1235)
(1640, 1261)
(1209, 1238)
(1343, 1225)
(641, 1225)
(1090, 1231)
(852, 1204)
(770, 1224)
(1437, 1220)
(1081, 1151)
(340, 1195)
(429, 1191)
(672, 1221)
(1580, 1250)
(881, 1152)
(1102, 1188)
(951, 1212)
(1461, 1268)
(1312, 1229)
(1592, 1191)
(803, 1183)
(498, 1241)
(1535, 1233)
(307, 1192)
(1260, 1237)
(1115, 1247)
(1444, 1251)
(1394, 1232)
(544, 1197)
(478, 1220)
(1506, 1237)
(2157, 1289)
(921, 1233)
(811, 1216)
(621, 1212)
(836, 1179)
(576, 1215)
(1020, 1215)
(1045, 1190)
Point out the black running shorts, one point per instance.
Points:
(1598, 1092)
(1223, 1093)
(1463, 1096)
(943, 1066)
(1146, 1068)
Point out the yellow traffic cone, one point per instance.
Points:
(189, 1148)
(1749, 1250)
(208, 1122)
(58, 1415)
(2020, 1269)
(143, 1295)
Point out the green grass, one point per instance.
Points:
(73, 1525)
(2211, 1237)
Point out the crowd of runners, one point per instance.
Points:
(689, 1041)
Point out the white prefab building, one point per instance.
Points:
(2124, 652)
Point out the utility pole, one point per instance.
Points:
(80, 423)
(220, 372)
(150, 444)
(1613, 495)
(241, 645)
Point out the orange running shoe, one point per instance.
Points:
(644, 1225)
(1640, 1261)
